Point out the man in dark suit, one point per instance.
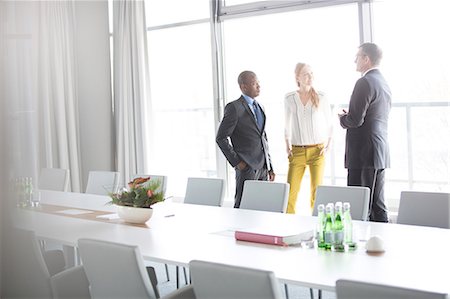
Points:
(243, 124)
(366, 146)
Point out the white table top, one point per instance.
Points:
(415, 256)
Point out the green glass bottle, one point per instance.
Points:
(328, 231)
(29, 191)
(348, 227)
(320, 226)
(338, 228)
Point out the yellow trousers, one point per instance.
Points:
(301, 158)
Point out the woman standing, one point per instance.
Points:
(308, 133)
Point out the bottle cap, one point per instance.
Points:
(346, 205)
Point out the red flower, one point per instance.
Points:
(137, 181)
(149, 193)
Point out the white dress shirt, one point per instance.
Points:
(306, 124)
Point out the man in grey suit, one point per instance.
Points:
(366, 146)
(243, 124)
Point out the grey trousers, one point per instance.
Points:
(247, 174)
(374, 179)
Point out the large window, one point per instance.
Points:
(270, 40)
(271, 45)
(182, 141)
(417, 67)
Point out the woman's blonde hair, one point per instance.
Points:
(312, 92)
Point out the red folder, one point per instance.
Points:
(270, 237)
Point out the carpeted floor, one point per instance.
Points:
(165, 287)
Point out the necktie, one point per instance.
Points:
(258, 114)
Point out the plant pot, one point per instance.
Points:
(134, 215)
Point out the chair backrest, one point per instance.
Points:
(27, 275)
(161, 178)
(424, 208)
(70, 283)
(358, 197)
(265, 196)
(114, 270)
(102, 182)
(56, 179)
(349, 289)
(205, 191)
(213, 280)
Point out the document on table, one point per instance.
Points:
(74, 212)
(228, 232)
(109, 216)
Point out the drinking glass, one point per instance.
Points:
(36, 198)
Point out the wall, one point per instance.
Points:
(94, 87)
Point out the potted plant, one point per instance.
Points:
(134, 204)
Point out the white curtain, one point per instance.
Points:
(19, 87)
(59, 136)
(131, 86)
(42, 98)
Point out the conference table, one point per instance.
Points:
(415, 257)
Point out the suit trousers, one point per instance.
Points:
(303, 157)
(374, 179)
(247, 173)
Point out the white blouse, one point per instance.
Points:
(306, 124)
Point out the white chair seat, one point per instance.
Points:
(66, 284)
(115, 270)
(265, 196)
(213, 280)
(28, 275)
(424, 208)
(102, 182)
(183, 293)
(358, 197)
(55, 179)
(205, 191)
(349, 289)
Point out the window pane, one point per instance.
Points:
(430, 144)
(417, 67)
(182, 119)
(416, 48)
(271, 45)
(398, 145)
(161, 12)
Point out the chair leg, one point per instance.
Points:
(311, 293)
(185, 276)
(70, 256)
(167, 271)
(77, 257)
(177, 275)
(154, 281)
(286, 290)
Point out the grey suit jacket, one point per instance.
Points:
(248, 143)
(366, 144)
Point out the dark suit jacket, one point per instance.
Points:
(248, 143)
(366, 144)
